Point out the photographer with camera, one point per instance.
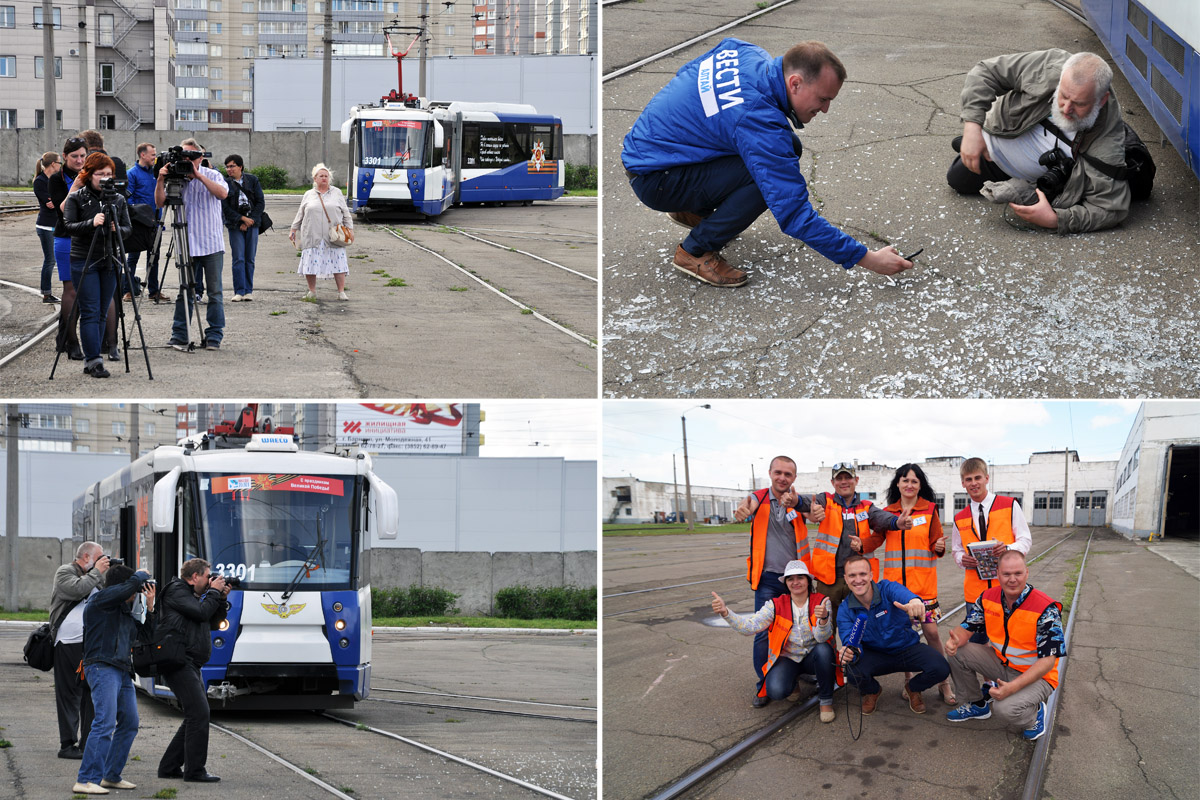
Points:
(202, 191)
(192, 604)
(92, 271)
(1018, 109)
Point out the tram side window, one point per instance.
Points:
(500, 144)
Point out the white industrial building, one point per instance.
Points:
(1157, 483)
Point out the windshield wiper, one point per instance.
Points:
(318, 552)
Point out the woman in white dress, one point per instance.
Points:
(320, 207)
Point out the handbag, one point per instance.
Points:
(165, 652)
(265, 223)
(39, 648)
(339, 235)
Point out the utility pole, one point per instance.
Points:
(327, 81)
(49, 96)
(424, 45)
(687, 477)
(134, 439)
(12, 602)
(675, 478)
(753, 482)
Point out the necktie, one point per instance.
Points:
(982, 523)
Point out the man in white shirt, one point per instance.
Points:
(73, 583)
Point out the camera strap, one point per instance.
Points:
(1111, 170)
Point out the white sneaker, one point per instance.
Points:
(237, 298)
(248, 297)
(88, 788)
(121, 784)
(310, 295)
(342, 296)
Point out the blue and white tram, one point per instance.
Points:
(294, 527)
(424, 157)
(1156, 43)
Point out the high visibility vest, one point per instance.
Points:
(908, 557)
(781, 628)
(999, 528)
(1015, 639)
(758, 538)
(829, 534)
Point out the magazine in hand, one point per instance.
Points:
(987, 557)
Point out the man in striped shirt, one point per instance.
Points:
(202, 196)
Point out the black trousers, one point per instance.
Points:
(963, 181)
(189, 747)
(72, 697)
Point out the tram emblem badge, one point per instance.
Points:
(537, 163)
(283, 610)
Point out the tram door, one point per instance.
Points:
(1090, 508)
(1047, 509)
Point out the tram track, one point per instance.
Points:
(462, 232)
(525, 309)
(49, 323)
(806, 710)
(478, 710)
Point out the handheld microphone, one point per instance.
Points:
(854, 638)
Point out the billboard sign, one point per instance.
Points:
(417, 428)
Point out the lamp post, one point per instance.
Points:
(687, 478)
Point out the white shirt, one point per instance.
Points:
(1022, 539)
(1018, 156)
(71, 629)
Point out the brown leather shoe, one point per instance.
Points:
(685, 218)
(710, 268)
(869, 702)
(915, 701)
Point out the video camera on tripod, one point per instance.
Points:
(111, 188)
(180, 169)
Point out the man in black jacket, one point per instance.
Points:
(192, 604)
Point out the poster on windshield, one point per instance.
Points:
(240, 484)
(402, 427)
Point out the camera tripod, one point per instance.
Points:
(112, 256)
(178, 247)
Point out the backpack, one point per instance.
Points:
(1139, 166)
(39, 648)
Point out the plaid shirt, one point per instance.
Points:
(204, 219)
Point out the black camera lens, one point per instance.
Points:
(115, 562)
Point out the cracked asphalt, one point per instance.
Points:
(678, 683)
(414, 326)
(990, 310)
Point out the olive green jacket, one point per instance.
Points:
(1008, 95)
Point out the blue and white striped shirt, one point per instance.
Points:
(204, 219)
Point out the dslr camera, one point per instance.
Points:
(111, 188)
(1058, 168)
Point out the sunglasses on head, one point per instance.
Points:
(73, 145)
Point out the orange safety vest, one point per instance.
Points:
(999, 528)
(908, 557)
(1015, 639)
(824, 557)
(758, 538)
(781, 628)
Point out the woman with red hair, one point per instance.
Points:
(94, 276)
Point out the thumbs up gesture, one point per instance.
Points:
(816, 509)
(789, 499)
(718, 605)
(904, 521)
(747, 508)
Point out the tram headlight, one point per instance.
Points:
(337, 606)
(340, 625)
(224, 625)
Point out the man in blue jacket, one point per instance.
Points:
(715, 149)
(141, 193)
(889, 643)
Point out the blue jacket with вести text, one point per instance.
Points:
(888, 628)
(732, 101)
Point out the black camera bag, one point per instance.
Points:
(39, 648)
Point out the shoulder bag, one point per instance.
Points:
(338, 234)
(165, 651)
(39, 648)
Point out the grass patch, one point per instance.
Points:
(396, 282)
(667, 529)
(311, 771)
(362, 726)
(1070, 584)
(459, 288)
(480, 622)
(526, 310)
(452, 719)
(5, 743)
(563, 602)
(581, 193)
(278, 313)
(168, 793)
(26, 615)
(413, 601)
(345, 790)
(312, 300)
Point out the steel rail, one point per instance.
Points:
(274, 757)
(650, 59)
(51, 323)
(1041, 751)
(489, 287)
(479, 710)
(461, 232)
(675, 586)
(479, 697)
(444, 754)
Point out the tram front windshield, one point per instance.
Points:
(272, 529)
(393, 143)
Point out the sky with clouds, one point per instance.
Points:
(567, 429)
(726, 439)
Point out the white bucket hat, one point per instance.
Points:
(795, 568)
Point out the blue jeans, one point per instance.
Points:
(781, 679)
(62, 256)
(114, 726)
(723, 191)
(242, 247)
(210, 267)
(94, 291)
(47, 240)
(931, 667)
(151, 282)
(769, 587)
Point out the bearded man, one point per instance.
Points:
(1047, 117)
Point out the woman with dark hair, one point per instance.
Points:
(242, 208)
(910, 557)
(47, 167)
(74, 153)
(95, 280)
